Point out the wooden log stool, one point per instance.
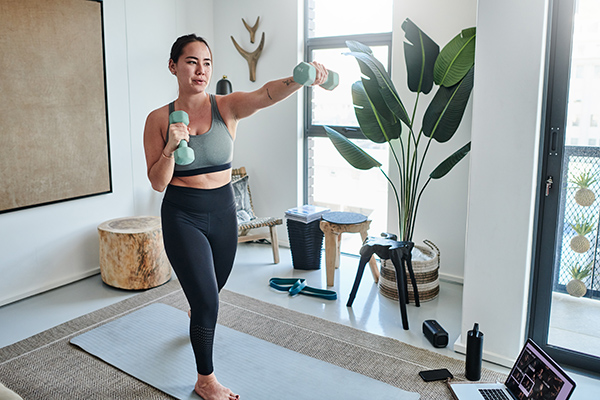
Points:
(333, 224)
(132, 254)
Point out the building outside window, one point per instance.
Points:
(330, 181)
(584, 85)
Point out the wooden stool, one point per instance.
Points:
(333, 225)
(132, 254)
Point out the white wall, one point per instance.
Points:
(268, 143)
(504, 161)
(442, 212)
(46, 247)
(49, 246)
(152, 27)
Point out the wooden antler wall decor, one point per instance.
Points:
(251, 58)
(251, 29)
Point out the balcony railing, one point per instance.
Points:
(575, 252)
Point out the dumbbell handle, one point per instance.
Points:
(305, 74)
(183, 155)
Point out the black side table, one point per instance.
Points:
(388, 248)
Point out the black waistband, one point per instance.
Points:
(200, 200)
(203, 170)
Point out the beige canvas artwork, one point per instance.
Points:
(53, 118)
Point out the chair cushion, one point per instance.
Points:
(242, 200)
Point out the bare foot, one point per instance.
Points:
(209, 388)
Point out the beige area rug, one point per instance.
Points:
(46, 366)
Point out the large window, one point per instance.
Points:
(566, 281)
(330, 180)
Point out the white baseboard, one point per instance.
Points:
(49, 286)
(452, 278)
(461, 347)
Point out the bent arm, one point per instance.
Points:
(159, 158)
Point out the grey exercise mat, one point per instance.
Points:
(152, 345)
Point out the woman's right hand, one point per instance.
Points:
(177, 133)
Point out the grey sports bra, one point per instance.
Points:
(213, 150)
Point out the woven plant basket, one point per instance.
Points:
(426, 275)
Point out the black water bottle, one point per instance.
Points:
(474, 354)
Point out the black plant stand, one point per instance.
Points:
(388, 248)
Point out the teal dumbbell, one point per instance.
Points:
(183, 155)
(305, 74)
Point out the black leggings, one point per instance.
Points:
(200, 235)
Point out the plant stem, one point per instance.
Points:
(414, 221)
(398, 164)
(401, 173)
(415, 206)
(411, 179)
(397, 202)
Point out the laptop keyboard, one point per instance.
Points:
(493, 394)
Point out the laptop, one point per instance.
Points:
(534, 376)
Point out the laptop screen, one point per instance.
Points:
(536, 376)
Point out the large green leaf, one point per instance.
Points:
(369, 65)
(420, 52)
(358, 47)
(372, 81)
(379, 85)
(373, 125)
(449, 163)
(356, 156)
(455, 59)
(443, 116)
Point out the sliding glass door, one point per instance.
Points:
(565, 313)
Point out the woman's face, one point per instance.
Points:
(193, 68)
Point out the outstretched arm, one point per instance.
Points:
(244, 104)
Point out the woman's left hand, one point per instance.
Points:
(321, 73)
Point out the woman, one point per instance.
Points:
(198, 211)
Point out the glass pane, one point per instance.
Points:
(339, 186)
(349, 17)
(335, 107)
(575, 310)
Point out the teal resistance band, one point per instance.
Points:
(295, 286)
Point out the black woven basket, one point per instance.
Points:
(306, 241)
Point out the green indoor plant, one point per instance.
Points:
(383, 117)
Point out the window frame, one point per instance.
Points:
(332, 42)
(320, 43)
(552, 150)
